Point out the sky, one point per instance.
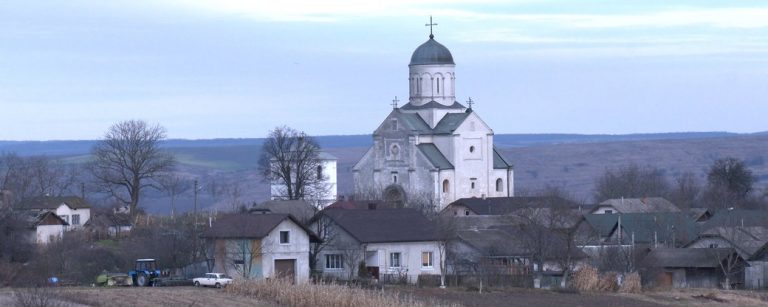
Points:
(238, 68)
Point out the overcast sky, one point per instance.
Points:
(228, 68)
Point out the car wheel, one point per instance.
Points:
(218, 285)
(197, 284)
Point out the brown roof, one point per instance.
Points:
(384, 225)
(51, 202)
(246, 225)
(507, 205)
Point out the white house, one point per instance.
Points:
(72, 209)
(392, 244)
(325, 192)
(255, 246)
(44, 227)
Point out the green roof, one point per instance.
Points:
(499, 161)
(450, 122)
(647, 227)
(434, 156)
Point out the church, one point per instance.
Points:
(432, 150)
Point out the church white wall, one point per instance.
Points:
(423, 84)
(473, 158)
(327, 191)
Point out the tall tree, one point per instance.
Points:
(729, 183)
(631, 181)
(129, 159)
(290, 161)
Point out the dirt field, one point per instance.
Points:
(535, 297)
(190, 296)
(163, 296)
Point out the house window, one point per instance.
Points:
(285, 237)
(499, 185)
(446, 186)
(334, 261)
(713, 245)
(426, 259)
(320, 172)
(608, 211)
(466, 212)
(75, 219)
(394, 260)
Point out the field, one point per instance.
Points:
(189, 296)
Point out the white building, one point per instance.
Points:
(255, 246)
(393, 244)
(321, 195)
(74, 210)
(45, 227)
(432, 150)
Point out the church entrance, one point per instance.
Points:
(394, 195)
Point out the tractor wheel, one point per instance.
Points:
(110, 282)
(218, 286)
(142, 280)
(197, 284)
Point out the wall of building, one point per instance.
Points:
(297, 249)
(411, 253)
(45, 234)
(65, 212)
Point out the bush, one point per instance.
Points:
(631, 284)
(585, 279)
(608, 282)
(36, 297)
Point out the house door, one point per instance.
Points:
(286, 268)
(664, 280)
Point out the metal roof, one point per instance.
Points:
(433, 105)
(498, 160)
(49, 202)
(431, 53)
(384, 225)
(434, 156)
(450, 122)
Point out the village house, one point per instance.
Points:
(392, 245)
(748, 242)
(256, 246)
(102, 226)
(74, 210)
(44, 227)
(693, 268)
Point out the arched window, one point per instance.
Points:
(471, 148)
(446, 186)
(499, 185)
(438, 85)
(319, 172)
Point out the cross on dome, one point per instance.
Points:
(430, 24)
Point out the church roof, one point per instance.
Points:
(450, 122)
(434, 156)
(498, 160)
(431, 53)
(415, 122)
(433, 105)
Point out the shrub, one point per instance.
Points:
(608, 282)
(631, 284)
(585, 278)
(36, 297)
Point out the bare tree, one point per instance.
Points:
(729, 183)
(631, 181)
(243, 255)
(290, 160)
(129, 159)
(174, 185)
(685, 191)
(36, 176)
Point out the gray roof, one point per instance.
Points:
(50, 202)
(430, 53)
(487, 242)
(647, 227)
(641, 205)
(748, 240)
(450, 122)
(323, 155)
(384, 225)
(247, 225)
(686, 257)
(414, 122)
(507, 205)
(498, 160)
(434, 156)
(432, 105)
(738, 217)
(300, 209)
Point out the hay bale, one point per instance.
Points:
(631, 284)
(585, 278)
(608, 282)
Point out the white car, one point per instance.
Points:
(217, 280)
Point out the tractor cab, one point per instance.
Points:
(144, 272)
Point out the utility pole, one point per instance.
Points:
(195, 212)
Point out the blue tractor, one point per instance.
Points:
(145, 273)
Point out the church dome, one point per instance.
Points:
(431, 53)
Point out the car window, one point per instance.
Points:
(210, 276)
(226, 276)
